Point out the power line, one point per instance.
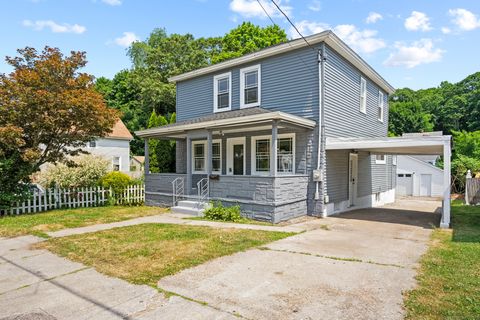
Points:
(293, 25)
(261, 5)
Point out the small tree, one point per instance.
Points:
(48, 111)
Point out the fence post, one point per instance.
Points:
(467, 183)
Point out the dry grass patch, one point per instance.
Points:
(11, 226)
(143, 254)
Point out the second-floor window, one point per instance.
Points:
(250, 87)
(222, 85)
(363, 95)
(381, 103)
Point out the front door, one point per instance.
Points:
(236, 156)
(352, 178)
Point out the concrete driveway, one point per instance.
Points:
(357, 269)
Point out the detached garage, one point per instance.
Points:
(419, 178)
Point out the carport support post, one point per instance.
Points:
(146, 165)
(445, 222)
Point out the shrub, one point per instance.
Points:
(116, 180)
(85, 172)
(220, 213)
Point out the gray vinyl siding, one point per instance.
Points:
(343, 117)
(337, 175)
(289, 83)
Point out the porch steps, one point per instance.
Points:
(190, 207)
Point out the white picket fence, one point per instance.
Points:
(77, 198)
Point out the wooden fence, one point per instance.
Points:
(472, 191)
(76, 198)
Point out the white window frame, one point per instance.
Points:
(363, 95)
(215, 91)
(253, 163)
(380, 161)
(119, 163)
(242, 86)
(205, 145)
(381, 106)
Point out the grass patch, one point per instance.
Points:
(449, 277)
(143, 254)
(241, 221)
(39, 223)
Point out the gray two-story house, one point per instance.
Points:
(294, 129)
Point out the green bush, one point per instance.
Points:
(116, 180)
(220, 213)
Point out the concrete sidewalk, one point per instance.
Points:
(175, 219)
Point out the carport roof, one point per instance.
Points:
(408, 145)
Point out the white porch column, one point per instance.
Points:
(209, 152)
(146, 165)
(445, 222)
(188, 186)
(273, 149)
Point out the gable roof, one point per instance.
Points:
(139, 159)
(326, 36)
(120, 131)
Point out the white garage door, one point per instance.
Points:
(426, 185)
(404, 184)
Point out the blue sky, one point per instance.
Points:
(416, 44)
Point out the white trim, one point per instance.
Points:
(328, 36)
(379, 161)
(205, 145)
(253, 154)
(262, 117)
(363, 98)
(381, 106)
(119, 163)
(229, 153)
(215, 91)
(242, 86)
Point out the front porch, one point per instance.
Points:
(252, 157)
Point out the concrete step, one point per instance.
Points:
(192, 204)
(188, 210)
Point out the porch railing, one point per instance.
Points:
(178, 186)
(203, 187)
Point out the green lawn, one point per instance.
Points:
(242, 221)
(449, 278)
(54, 220)
(143, 254)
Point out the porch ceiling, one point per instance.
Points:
(414, 145)
(230, 121)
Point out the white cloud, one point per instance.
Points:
(315, 5)
(112, 2)
(464, 19)
(54, 27)
(418, 21)
(364, 41)
(410, 56)
(251, 8)
(127, 39)
(373, 17)
(446, 30)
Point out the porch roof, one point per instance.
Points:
(405, 145)
(228, 120)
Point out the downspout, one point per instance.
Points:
(321, 120)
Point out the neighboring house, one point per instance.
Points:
(136, 163)
(114, 147)
(294, 129)
(416, 177)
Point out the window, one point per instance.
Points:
(116, 163)
(250, 87)
(408, 175)
(222, 88)
(92, 144)
(199, 156)
(400, 175)
(381, 103)
(363, 95)
(285, 154)
(380, 159)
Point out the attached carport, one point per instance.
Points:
(416, 145)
